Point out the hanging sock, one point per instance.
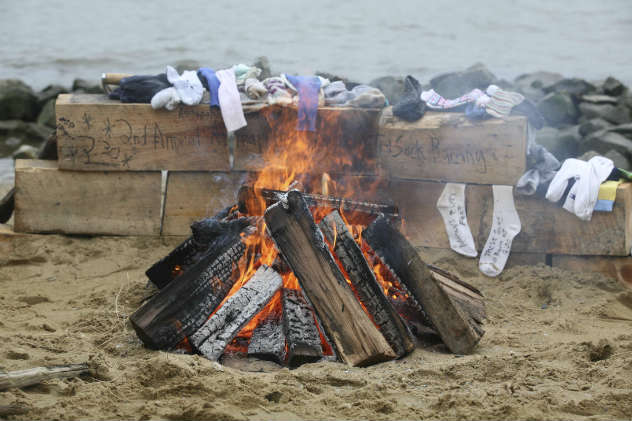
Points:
(505, 226)
(211, 83)
(229, 102)
(501, 102)
(308, 88)
(607, 195)
(451, 206)
(410, 107)
(436, 102)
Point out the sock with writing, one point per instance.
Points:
(505, 226)
(451, 206)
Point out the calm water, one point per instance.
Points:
(57, 40)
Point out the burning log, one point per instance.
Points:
(268, 340)
(366, 285)
(180, 308)
(357, 339)
(456, 328)
(250, 202)
(212, 338)
(209, 237)
(303, 339)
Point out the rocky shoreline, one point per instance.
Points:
(582, 118)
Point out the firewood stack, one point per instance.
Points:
(359, 298)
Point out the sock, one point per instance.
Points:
(211, 83)
(607, 195)
(244, 72)
(188, 86)
(255, 89)
(582, 197)
(308, 88)
(410, 106)
(364, 96)
(167, 98)
(437, 102)
(229, 102)
(451, 206)
(140, 89)
(501, 102)
(505, 226)
(277, 91)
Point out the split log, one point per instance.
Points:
(356, 338)
(180, 308)
(23, 378)
(212, 338)
(451, 322)
(249, 200)
(303, 339)
(268, 340)
(365, 284)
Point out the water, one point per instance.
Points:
(58, 40)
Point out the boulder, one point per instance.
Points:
(532, 85)
(186, 64)
(617, 114)
(17, 101)
(25, 152)
(612, 86)
(31, 133)
(46, 117)
(604, 141)
(264, 64)
(624, 129)
(453, 85)
(391, 86)
(574, 87)
(593, 125)
(563, 143)
(600, 99)
(547, 137)
(558, 109)
(618, 159)
(50, 92)
(83, 85)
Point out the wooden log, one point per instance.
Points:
(615, 267)
(365, 285)
(71, 202)
(345, 140)
(191, 196)
(303, 339)
(450, 147)
(23, 378)
(180, 308)
(7, 203)
(96, 133)
(268, 340)
(356, 338)
(452, 324)
(218, 331)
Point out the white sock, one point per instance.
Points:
(451, 206)
(229, 101)
(505, 226)
(167, 98)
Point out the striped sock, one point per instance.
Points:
(501, 102)
(436, 102)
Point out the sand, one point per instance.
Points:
(558, 346)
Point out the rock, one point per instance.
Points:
(612, 86)
(453, 85)
(558, 109)
(25, 152)
(593, 125)
(600, 99)
(264, 64)
(617, 158)
(574, 87)
(532, 85)
(17, 101)
(616, 114)
(46, 117)
(562, 143)
(83, 85)
(624, 129)
(31, 133)
(505, 85)
(50, 92)
(547, 137)
(182, 65)
(332, 78)
(391, 86)
(602, 142)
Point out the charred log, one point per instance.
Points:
(303, 339)
(7, 204)
(268, 340)
(213, 336)
(366, 285)
(356, 338)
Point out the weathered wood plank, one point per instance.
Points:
(356, 338)
(303, 339)
(72, 202)
(449, 147)
(95, 133)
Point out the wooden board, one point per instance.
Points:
(191, 196)
(71, 202)
(95, 133)
(449, 147)
(345, 139)
(619, 268)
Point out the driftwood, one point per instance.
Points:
(180, 308)
(268, 340)
(23, 378)
(356, 338)
(303, 339)
(365, 284)
(451, 322)
(213, 336)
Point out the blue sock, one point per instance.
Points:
(210, 82)
(308, 88)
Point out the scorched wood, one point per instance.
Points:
(450, 321)
(180, 308)
(303, 339)
(268, 340)
(366, 285)
(218, 331)
(357, 340)
(37, 375)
